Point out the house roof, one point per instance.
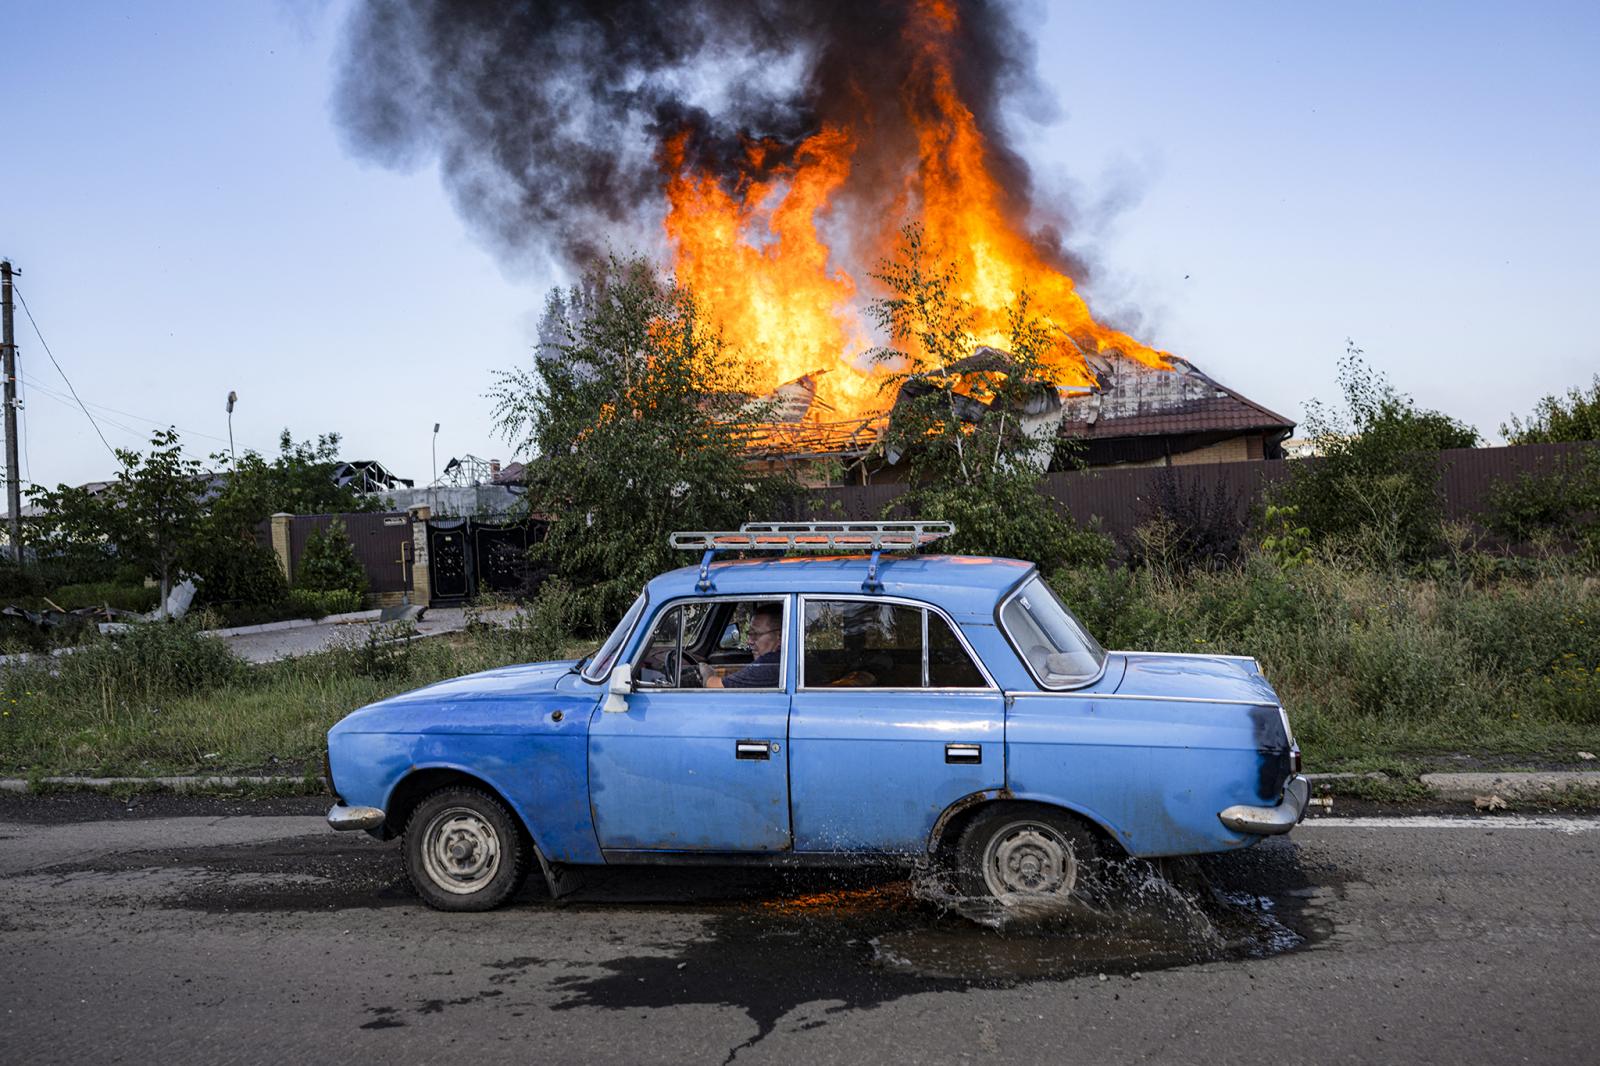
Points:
(1135, 400)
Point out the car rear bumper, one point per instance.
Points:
(1268, 821)
(342, 817)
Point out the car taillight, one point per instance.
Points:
(1294, 760)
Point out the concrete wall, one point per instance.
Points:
(448, 501)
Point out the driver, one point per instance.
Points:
(766, 637)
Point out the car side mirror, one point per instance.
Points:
(620, 687)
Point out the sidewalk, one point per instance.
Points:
(267, 646)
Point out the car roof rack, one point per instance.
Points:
(874, 537)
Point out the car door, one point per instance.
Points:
(894, 719)
(688, 768)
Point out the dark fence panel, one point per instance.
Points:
(1119, 497)
(469, 556)
(382, 542)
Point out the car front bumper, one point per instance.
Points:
(342, 817)
(1269, 821)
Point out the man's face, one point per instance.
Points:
(765, 633)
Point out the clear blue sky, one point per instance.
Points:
(1259, 181)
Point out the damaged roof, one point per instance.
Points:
(1135, 400)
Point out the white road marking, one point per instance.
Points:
(1435, 821)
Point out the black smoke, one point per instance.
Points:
(547, 116)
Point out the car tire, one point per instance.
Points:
(1021, 853)
(464, 850)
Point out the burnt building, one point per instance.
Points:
(1132, 414)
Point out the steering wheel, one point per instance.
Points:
(674, 668)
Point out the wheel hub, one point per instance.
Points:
(460, 851)
(1029, 859)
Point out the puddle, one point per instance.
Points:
(812, 946)
(1142, 916)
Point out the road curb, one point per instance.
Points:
(295, 623)
(1508, 785)
(177, 783)
(1446, 786)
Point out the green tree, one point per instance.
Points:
(329, 563)
(1572, 417)
(150, 514)
(299, 480)
(959, 420)
(635, 416)
(1375, 484)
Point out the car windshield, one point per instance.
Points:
(599, 667)
(1057, 648)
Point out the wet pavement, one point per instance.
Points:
(197, 930)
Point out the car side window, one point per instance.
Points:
(663, 663)
(949, 665)
(742, 648)
(866, 644)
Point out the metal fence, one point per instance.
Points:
(1120, 497)
(382, 542)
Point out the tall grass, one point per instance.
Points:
(1468, 656)
(1373, 664)
(165, 699)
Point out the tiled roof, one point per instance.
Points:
(1134, 400)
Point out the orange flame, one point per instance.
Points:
(754, 253)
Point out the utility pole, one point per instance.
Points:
(8, 342)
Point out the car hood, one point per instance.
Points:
(524, 679)
(461, 703)
(1194, 676)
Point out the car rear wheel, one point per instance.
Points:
(464, 851)
(1025, 853)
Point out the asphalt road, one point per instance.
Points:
(193, 931)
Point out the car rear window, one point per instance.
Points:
(1058, 650)
(876, 644)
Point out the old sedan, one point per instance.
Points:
(907, 707)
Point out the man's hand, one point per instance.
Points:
(707, 672)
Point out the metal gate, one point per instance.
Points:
(382, 543)
(470, 555)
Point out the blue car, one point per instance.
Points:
(794, 708)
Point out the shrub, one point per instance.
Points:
(314, 603)
(1561, 502)
(140, 598)
(1374, 489)
(148, 663)
(1183, 528)
(1573, 417)
(329, 562)
(1009, 517)
(381, 652)
(1287, 542)
(238, 571)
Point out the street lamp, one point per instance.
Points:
(233, 398)
(436, 453)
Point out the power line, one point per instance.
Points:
(63, 373)
(130, 414)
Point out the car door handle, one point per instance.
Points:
(752, 749)
(963, 753)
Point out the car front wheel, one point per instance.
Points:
(1025, 853)
(464, 850)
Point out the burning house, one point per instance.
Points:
(773, 154)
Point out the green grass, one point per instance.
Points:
(255, 719)
(1373, 667)
(1388, 673)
